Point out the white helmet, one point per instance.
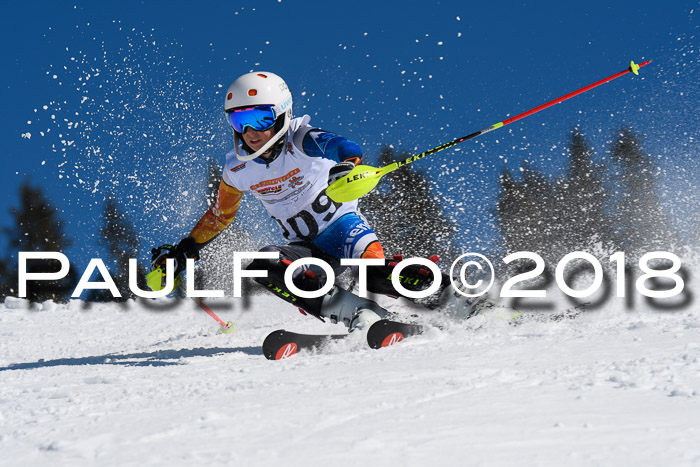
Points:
(261, 88)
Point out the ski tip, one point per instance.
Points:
(385, 333)
(271, 345)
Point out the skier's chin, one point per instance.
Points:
(258, 145)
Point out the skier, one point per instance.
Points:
(287, 164)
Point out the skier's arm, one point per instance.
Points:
(318, 143)
(212, 223)
(218, 216)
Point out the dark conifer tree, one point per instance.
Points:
(527, 214)
(37, 228)
(406, 216)
(5, 284)
(641, 223)
(122, 242)
(584, 199)
(555, 218)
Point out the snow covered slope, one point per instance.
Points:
(148, 384)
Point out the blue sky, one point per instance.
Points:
(127, 98)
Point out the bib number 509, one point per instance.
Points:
(304, 224)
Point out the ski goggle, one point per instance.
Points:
(259, 118)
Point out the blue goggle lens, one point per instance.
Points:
(258, 118)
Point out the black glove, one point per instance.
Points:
(187, 248)
(339, 171)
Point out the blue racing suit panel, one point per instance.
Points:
(319, 143)
(348, 237)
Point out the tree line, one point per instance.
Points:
(602, 207)
(37, 227)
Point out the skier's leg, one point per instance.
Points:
(350, 237)
(417, 278)
(305, 278)
(342, 306)
(414, 278)
(338, 305)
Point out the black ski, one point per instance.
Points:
(283, 344)
(385, 332)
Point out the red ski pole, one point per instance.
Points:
(363, 178)
(226, 327)
(633, 68)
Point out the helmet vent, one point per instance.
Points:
(261, 75)
(230, 95)
(252, 92)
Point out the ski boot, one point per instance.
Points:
(341, 306)
(457, 306)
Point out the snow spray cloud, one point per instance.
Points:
(129, 120)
